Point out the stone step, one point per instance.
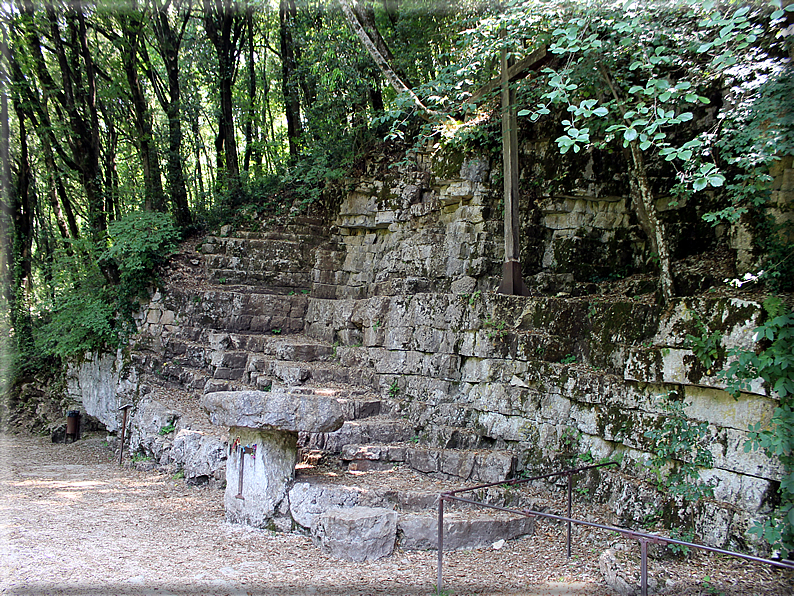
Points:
(278, 282)
(242, 309)
(462, 530)
(480, 466)
(414, 499)
(377, 429)
(283, 347)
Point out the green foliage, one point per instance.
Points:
(496, 329)
(569, 359)
(707, 346)
(394, 389)
(679, 452)
(85, 312)
(757, 134)
(168, 428)
(138, 243)
(774, 363)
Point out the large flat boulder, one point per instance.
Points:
(278, 409)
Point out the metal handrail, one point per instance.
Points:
(642, 537)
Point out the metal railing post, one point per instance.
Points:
(644, 566)
(440, 580)
(570, 497)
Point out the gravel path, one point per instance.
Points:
(73, 522)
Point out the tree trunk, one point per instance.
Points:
(22, 209)
(289, 83)
(224, 25)
(169, 41)
(154, 197)
(251, 109)
(649, 217)
(645, 204)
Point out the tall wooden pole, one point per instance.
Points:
(512, 282)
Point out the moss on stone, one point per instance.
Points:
(448, 165)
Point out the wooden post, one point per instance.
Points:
(512, 282)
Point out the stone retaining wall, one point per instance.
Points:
(488, 370)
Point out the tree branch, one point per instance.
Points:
(397, 84)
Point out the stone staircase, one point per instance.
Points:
(460, 388)
(232, 318)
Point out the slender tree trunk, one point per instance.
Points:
(169, 41)
(645, 204)
(224, 26)
(251, 110)
(22, 247)
(651, 222)
(394, 80)
(289, 84)
(154, 197)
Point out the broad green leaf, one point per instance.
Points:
(700, 184)
(629, 134)
(716, 180)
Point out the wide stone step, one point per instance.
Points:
(377, 429)
(482, 466)
(241, 309)
(278, 282)
(462, 530)
(414, 499)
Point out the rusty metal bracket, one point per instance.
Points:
(243, 452)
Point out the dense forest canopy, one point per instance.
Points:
(127, 126)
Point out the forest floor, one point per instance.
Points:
(72, 521)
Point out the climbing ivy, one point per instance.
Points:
(774, 363)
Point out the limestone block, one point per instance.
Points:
(102, 384)
(147, 419)
(308, 501)
(290, 374)
(391, 362)
(499, 426)
(493, 466)
(266, 475)
(464, 285)
(720, 408)
(358, 533)
(420, 532)
(728, 452)
(460, 189)
(427, 339)
(277, 409)
(475, 169)
(199, 455)
(745, 492)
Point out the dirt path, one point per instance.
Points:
(73, 522)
